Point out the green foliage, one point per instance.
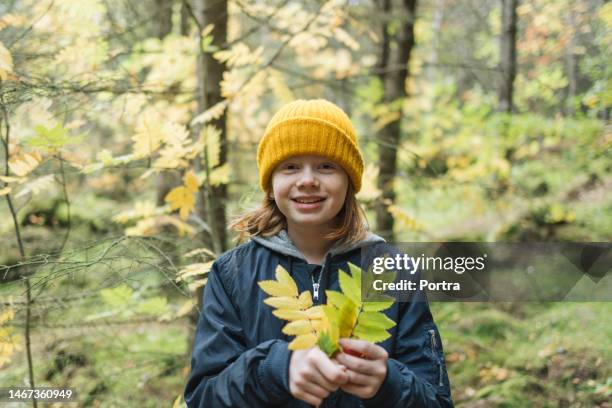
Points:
(124, 301)
(52, 139)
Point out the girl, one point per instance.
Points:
(310, 222)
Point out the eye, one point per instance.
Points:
(289, 166)
(328, 166)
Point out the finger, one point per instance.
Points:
(315, 390)
(370, 350)
(309, 398)
(314, 376)
(360, 365)
(332, 381)
(331, 371)
(356, 378)
(333, 360)
(358, 390)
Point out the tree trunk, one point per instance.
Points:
(210, 73)
(185, 18)
(507, 55)
(163, 18)
(395, 52)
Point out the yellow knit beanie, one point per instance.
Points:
(312, 126)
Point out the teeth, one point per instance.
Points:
(314, 200)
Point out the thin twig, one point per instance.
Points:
(6, 139)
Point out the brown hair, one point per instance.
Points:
(268, 220)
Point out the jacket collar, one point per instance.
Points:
(282, 244)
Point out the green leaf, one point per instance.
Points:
(153, 306)
(51, 139)
(377, 306)
(117, 296)
(327, 344)
(373, 336)
(351, 285)
(375, 320)
(335, 298)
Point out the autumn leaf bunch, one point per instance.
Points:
(346, 314)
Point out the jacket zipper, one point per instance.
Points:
(317, 285)
(434, 349)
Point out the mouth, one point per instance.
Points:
(308, 200)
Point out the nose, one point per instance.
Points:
(307, 178)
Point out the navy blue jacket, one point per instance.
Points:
(240, 356)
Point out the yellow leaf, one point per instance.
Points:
(220, 175)
(351, 284)
(303, 341)
(210, 137)
(8, 179)
(319, 325)
(605, 14)
(273, 288)
(145, 228)
(191, 181)
(298, 327)
(5, 191)
(335, 298)
(305, 300)
(315, 312)
(369, 190)
(347, 318)
(283, 302)
(24, 164)
(149, 135)
(346, 39)
(283, 277)
(195, 285)
(239, 55)
(178, 402)
(185, 309)
(182, 199)
(196, 269)
(214, 112)
(37, 185)
(182, 227)
(201, 252)
(6, 63)
(288, 314)
(7, 315)
(14, 20)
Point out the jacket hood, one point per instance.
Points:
(281, 243)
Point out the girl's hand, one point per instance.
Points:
(366, 366)
(313, 376)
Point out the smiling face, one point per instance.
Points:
(309, 190)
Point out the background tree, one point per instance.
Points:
(507, 54)
(396, 46)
